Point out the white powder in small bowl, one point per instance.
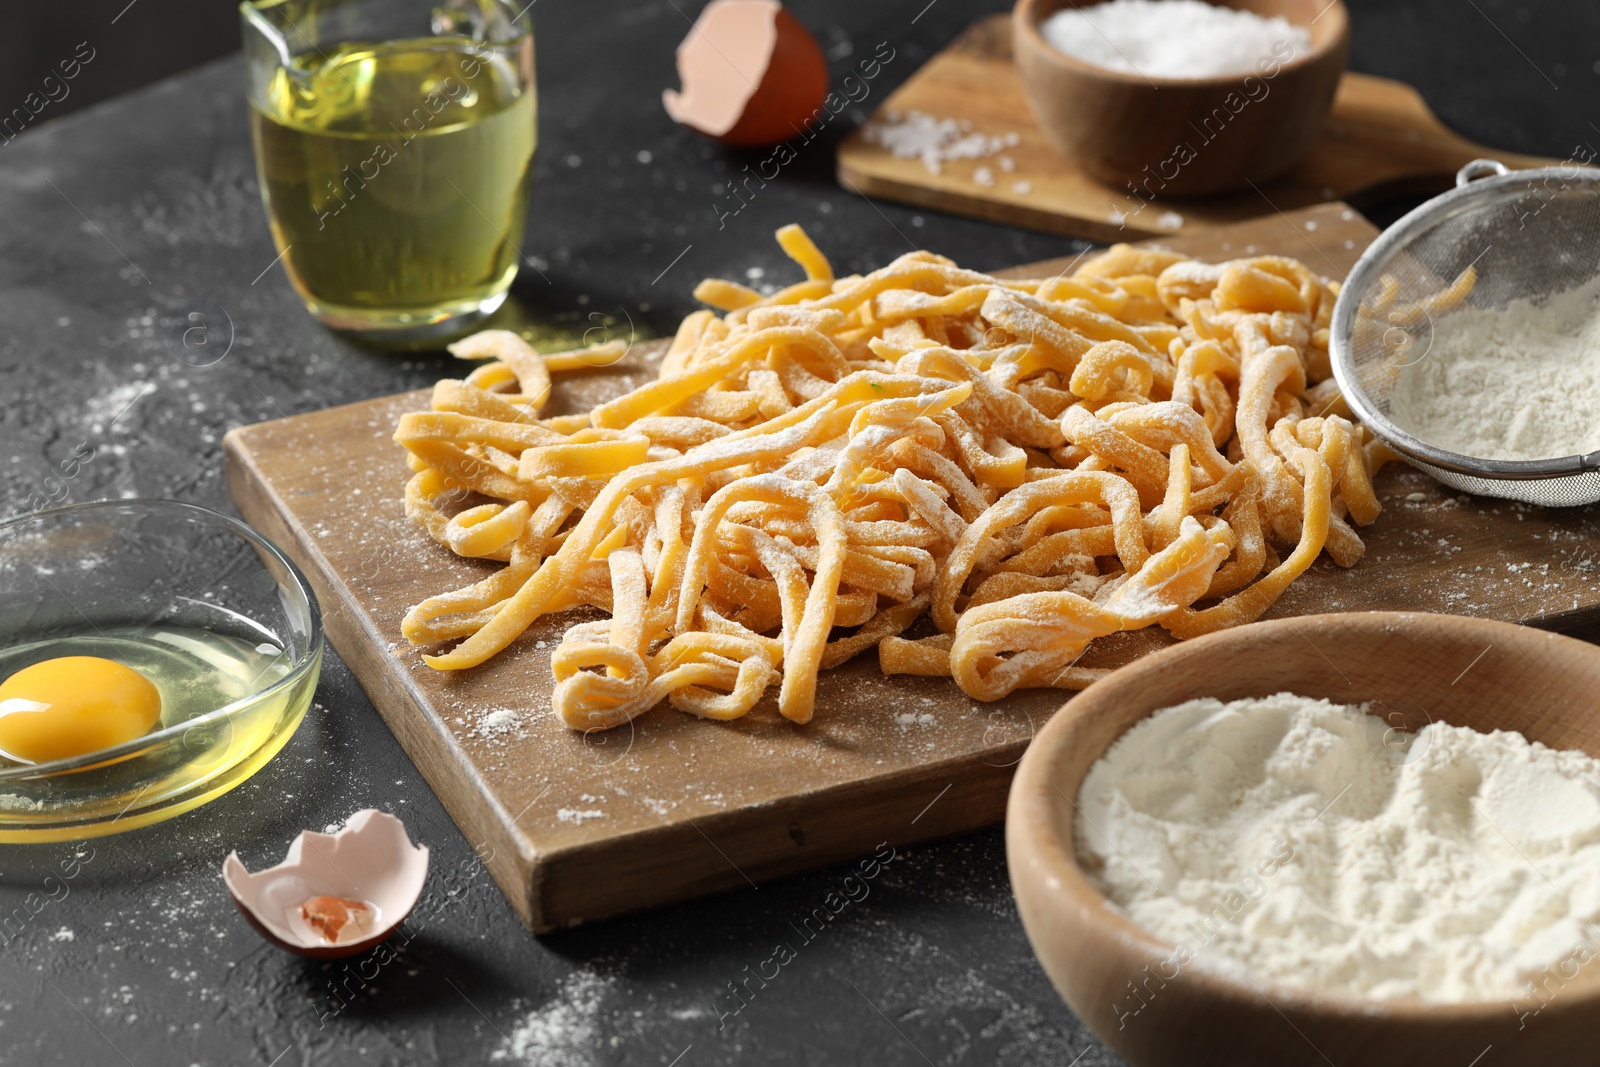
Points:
(1173, 38)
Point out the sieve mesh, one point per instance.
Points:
(1528, 235)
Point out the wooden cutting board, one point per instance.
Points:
(576, 828)
(1380, 140)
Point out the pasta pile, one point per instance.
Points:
(1030, 465)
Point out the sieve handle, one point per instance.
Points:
(1479, 168)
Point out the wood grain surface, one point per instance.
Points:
(1380, 140)
(577, 827)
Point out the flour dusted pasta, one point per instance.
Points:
(1015, 467)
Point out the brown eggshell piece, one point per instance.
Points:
(752, 74)
(370, 860)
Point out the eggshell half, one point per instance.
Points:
(752, 74)
(371, 859)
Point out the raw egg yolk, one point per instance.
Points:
(72, 706)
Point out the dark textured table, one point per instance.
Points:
(125, 226)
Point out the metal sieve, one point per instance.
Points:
(1529, 234)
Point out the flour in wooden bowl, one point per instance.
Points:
(1294, 841)
(1522, 383)
(1173, 38)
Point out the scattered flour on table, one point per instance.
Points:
(99, 412)
(1173, 38)
(578, 816)
(564, 1031)
(1308, 843)
(1522, 383)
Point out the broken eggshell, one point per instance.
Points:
(752, 74)
(371, 861)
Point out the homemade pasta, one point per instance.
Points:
(976, 477)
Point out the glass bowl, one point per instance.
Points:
(197, 588)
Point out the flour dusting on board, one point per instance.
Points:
(936, 141)
(497, 724)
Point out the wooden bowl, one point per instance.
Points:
(1412, 668)
(1176, 137)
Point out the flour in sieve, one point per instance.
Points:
(1305, 843)
(1522, 383)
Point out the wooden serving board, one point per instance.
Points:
(578, 827)
(1380, 140)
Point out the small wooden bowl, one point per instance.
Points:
(1176, 137)
(1412, 669)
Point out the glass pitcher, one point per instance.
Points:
(394, 142)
